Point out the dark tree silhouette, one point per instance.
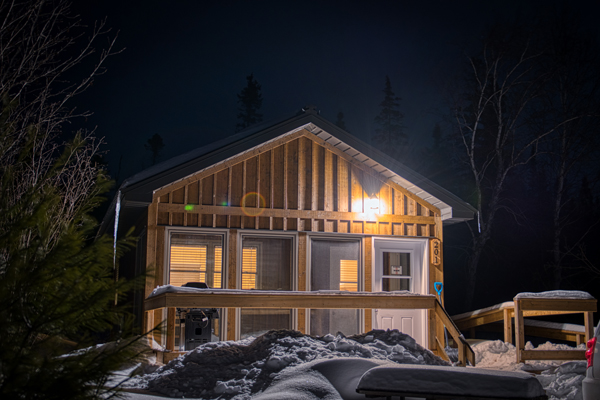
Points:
(340, 123)
(390, 136)
(250, 101)
(155, 145)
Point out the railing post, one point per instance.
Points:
(508, 331)
(519, 330)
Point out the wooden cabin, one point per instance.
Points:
(298, 207)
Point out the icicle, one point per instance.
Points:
(117, 211)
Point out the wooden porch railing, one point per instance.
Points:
(523, 307)
(231, 298)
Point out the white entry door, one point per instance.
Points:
(401, 264)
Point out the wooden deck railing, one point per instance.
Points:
(224, 298)
(523, 307)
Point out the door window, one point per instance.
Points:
(396, 274)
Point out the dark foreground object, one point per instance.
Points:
(437, 382)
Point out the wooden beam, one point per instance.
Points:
(257, 299)
(542, 304)
(315, 214)
(551, 354)
(519, 330)
(508, 330)
(589, 325)
(171, 329)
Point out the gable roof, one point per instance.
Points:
(137, 191)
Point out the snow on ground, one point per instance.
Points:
(290, 365)
(236, 370)
(562, 381)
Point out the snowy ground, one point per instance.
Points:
(287, 364)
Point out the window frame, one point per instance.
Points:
(361, 268)
(169, 231)
(241, 234)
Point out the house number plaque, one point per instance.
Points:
(436, 251)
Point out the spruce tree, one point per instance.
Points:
(250, 102)
(57, 294)
(154, 145)
(340, 123)
(390, 136)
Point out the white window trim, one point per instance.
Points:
(265, 234)
(169, 230)
(361, 269)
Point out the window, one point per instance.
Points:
(267, 264)
(334, 265)
(196, 258)
(249, 267)
(396, 272)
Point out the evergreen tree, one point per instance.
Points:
(390, 136)
(250, 101)
(155, 145)
(57, 294)
(340, 123)
(57, 290)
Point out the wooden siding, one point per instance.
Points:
(303, 184)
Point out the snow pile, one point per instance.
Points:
(556, 294)
(561, 381)
(236, 370)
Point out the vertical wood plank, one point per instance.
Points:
(278, 186)
(185, 201)
(589, 325)
(384, 200)
(222, 195)
(316, 200)
(519, 329)
(264, 187)
(356, 199)
(292, 184)
(508, 333)
(160, 257)
(237, 193)
(302, 265)
(328, 181)
(170, 329)
(251, 181)
(207, 199)
(231, 280)
(368, 278)
(343, 185)
(151, 248)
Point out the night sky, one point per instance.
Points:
(184, 62)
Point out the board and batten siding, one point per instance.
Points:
(297, 182)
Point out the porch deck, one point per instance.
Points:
(170, 298)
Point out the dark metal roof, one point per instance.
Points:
(136, 191)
